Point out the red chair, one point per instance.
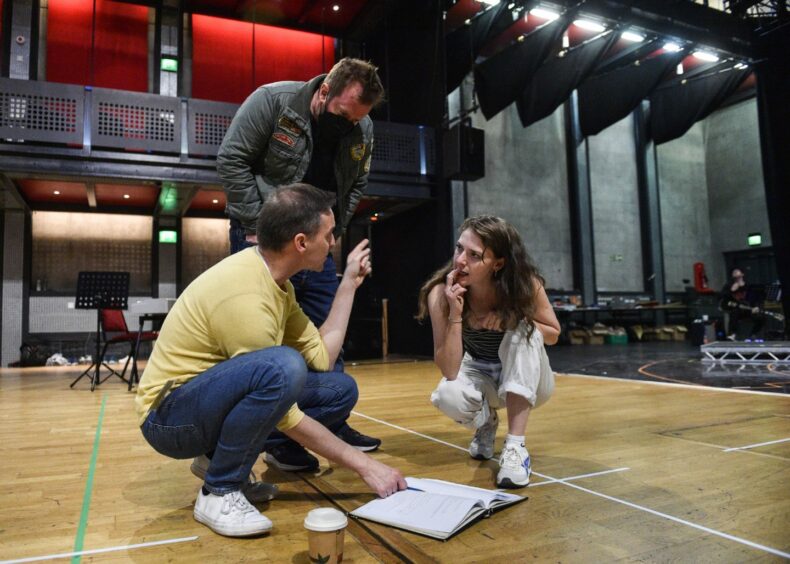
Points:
(113, 321)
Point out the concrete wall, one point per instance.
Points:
(683, 195)
(615, 204)
(13, 289)
(736, 191)
(526, 183)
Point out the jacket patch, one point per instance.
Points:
(283, 138)
(358, 151)
(289, 125)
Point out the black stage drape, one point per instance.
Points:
(463, 44)
(607, 98)
(675, 108)
(500, 79)
(556, 79)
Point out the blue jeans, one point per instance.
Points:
(327, 397)
(229, 410)
(238, 237)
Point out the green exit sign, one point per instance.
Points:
(754, 239)
(168, 236)
(169, 64)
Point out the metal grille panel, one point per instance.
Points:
(208, 122)
(403, 148)
(135, 121)
(40, 111)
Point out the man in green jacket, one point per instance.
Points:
(317, 132)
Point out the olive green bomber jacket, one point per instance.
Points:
(269, 144)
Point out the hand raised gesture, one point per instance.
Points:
(358, 264)
(454, 293)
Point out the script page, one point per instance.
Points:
(419, 511)
(449, 488)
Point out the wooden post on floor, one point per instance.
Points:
(385, 338)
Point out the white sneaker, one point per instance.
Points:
(482, 445)
(255, 491)
(230, 515)
(514, 467)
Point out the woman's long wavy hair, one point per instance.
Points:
(515, 282)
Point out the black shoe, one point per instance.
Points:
(358, 440)
(292, 457)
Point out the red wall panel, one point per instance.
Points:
(120, 57)
(222, 57)
(285, 54)
(69, 24)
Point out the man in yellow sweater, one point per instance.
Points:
(233, 356)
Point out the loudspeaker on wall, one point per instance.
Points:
(464, 152)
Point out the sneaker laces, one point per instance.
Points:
(510, 458)
(237, 501)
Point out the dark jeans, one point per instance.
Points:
(229, 410)
(327, 397)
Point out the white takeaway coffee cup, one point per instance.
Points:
(325, 534)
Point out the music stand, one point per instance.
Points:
(100, 290)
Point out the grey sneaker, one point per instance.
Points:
(514, 467)
(230, 515)
(482, 445)
(256, 492)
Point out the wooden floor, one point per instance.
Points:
(623, 471)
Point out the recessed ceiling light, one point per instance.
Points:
(671, 47)
(215, 201)
(56, 192)
(633, 37)
(126, 196)
(589, 25)
(705, 56)
(335, 8)
(545, 14)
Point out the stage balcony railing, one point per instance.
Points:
(85, 120)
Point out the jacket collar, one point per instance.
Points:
(301, 101)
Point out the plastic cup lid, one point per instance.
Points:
(325, 519)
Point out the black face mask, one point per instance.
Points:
(331, 127)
